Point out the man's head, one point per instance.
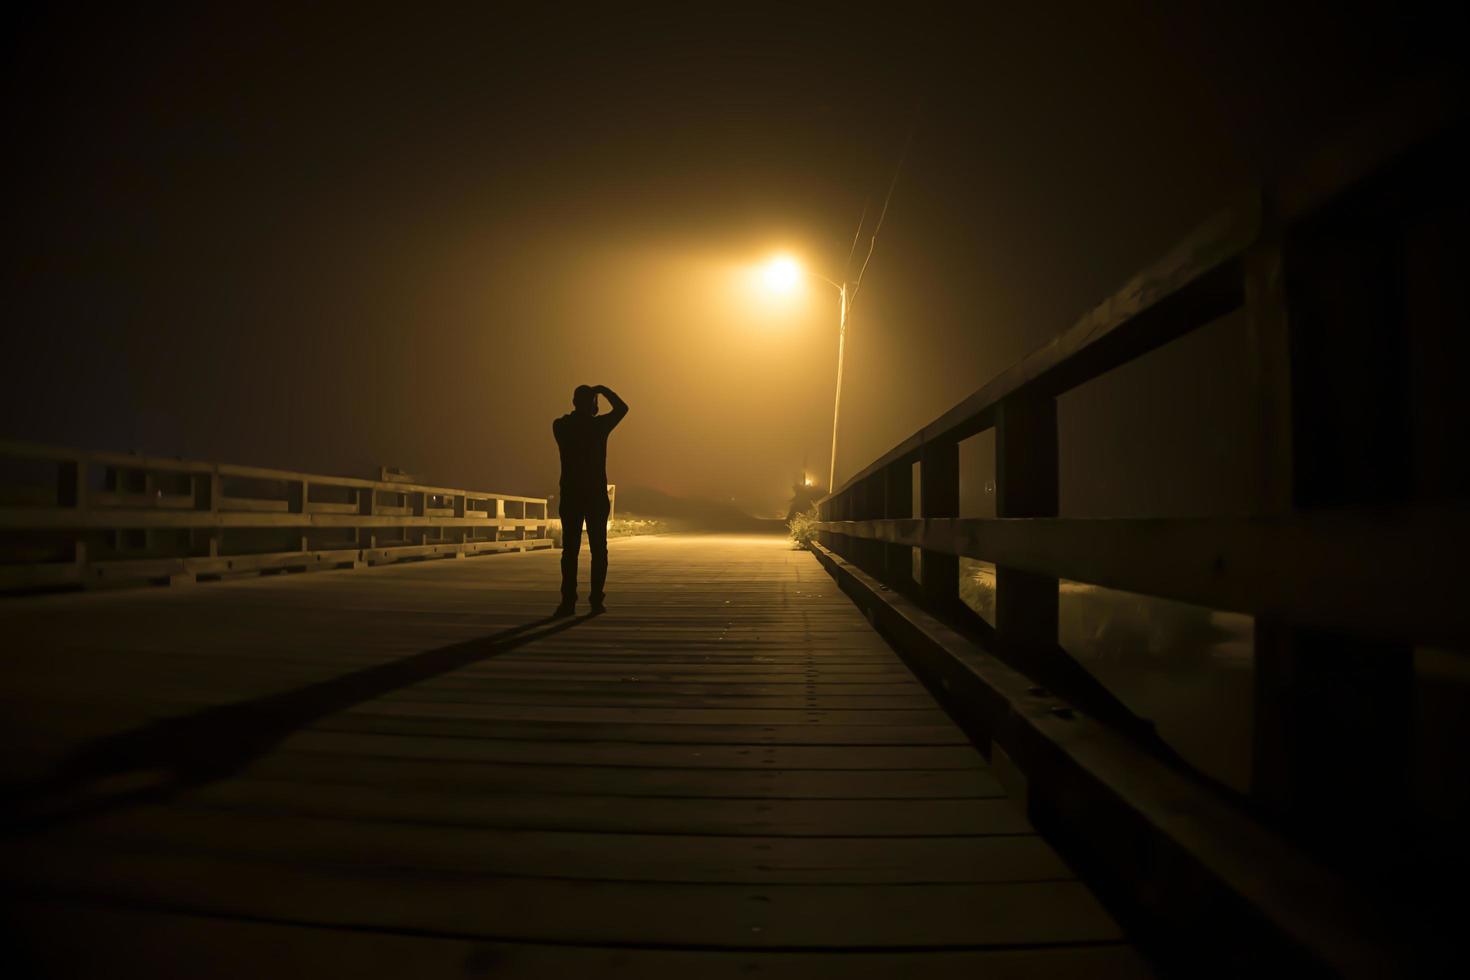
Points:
(584, 400)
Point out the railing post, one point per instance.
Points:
(870, 553)
(939, 496)
(841, 506)
(299, 494)
(207, 493)
(71, 491)
(70, 483)
(1327, 332)
(1026, 486)
(367, 506)
(854, 501)
(418, 503)
(898, 504)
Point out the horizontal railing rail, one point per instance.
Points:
(1323, 570)
(70, 517)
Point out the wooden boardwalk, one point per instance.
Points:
(406, 771)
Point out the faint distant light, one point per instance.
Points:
(782, 274)
(808, 481)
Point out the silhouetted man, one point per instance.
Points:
(582, 438)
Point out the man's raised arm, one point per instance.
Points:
(619, 407)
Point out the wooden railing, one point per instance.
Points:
(1349, 272)
(95, 518)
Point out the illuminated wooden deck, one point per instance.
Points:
(388, 772)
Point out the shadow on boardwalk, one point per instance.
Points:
(158, 761)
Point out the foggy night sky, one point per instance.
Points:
(328, 242)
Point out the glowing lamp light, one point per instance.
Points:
(782, 274)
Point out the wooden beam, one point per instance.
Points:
(1322, 569)
(254, 504)
(157, 501)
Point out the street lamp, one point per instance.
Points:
(781, 274)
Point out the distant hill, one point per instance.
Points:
(690, 513)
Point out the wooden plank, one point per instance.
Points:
(638, 661)
(413, 721)
(626, 698)
(579, 686)
(574, 780)
(105, 500)
(547, 910)
(328, 507)
(194, 692)
(253, 505)
(681, 755)
(471, 805)
(172, 946)
(691, 669)
(692, 716)
(688, 858)
(526, 677)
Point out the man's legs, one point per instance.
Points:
(597, 544)
(572, 516)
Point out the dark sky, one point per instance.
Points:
(330, 240)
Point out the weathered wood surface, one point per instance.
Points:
(405, 771)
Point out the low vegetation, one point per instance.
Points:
(803, 527)
(620, 527)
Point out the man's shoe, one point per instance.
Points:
(598, 609)
(564, 610)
